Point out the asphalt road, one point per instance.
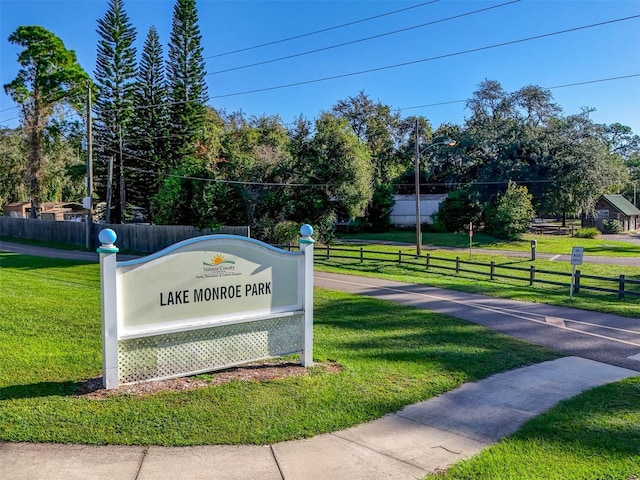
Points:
(597, 336)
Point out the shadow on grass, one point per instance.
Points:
(28, 262)
(40, 389)
(385, 332)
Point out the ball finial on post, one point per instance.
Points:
(108, 239)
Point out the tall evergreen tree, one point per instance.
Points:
(149, 127)
(187, 89)
(115, 76)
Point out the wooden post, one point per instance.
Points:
(621, 288)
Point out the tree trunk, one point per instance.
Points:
(35, 159)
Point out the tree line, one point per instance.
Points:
(159, 146)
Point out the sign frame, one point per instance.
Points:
(191, 307)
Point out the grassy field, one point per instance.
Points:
(390, 355)
(553, 244)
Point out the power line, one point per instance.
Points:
(328, 29)
(546, 88)
(360, 40)
(414, 62)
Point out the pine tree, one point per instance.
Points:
(149, 124)
(115, 75)
(187, 89)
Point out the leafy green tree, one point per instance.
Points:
(338, 170)
(510, 216)
(115, 76)
(579, 166)
(149, 125)
(49, 76)
(458, 210)
(381, 129)
(14, 178)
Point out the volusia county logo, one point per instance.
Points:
(219, 266)
(218, 260)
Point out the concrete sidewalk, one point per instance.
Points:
(405, 445)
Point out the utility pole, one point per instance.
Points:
(107, 215)
(89, 204)
(417, 182)
(122, 195)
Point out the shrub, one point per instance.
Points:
(590, 232)
(286, 233)
(455, 213)
(612, 226)
(510, 216)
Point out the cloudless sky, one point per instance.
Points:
(441, 64)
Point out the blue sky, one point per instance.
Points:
(584, 55)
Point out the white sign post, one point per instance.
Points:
(204, 304)
(577, 254)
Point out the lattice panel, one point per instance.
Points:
(214, 348)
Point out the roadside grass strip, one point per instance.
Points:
(390, 355)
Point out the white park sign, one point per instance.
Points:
(203, 304)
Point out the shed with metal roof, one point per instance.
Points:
(619, 208)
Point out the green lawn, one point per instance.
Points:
(390, 355)
(553, 244)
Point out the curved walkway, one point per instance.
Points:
(417, 440)
(408, 444)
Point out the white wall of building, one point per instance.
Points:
(403, 213)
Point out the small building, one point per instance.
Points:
(403, 213)
(70, 211)
(619, 208)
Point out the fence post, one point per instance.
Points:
(327, 251)
(457, 265)
(621, 288)
(492, 270)
(399, 257)
(576, 282)
(428, 260)
(361, 255)
(532, 275)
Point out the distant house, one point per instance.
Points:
(69, 211)
(403, 213)
(619, 208)
(48, 210)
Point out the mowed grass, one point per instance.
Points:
(390, 355)
(553, 244)
(595, 435)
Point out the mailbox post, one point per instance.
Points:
(534, 245)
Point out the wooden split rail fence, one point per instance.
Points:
(620, 285)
